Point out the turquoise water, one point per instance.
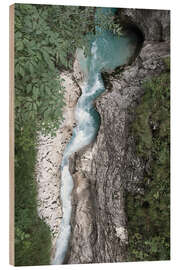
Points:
(107, 52)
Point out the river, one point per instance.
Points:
(107, 52)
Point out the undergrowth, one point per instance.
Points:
(149, 214)
(32, 235)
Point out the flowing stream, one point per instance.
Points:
(107, 52)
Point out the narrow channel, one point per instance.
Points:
(107, 52)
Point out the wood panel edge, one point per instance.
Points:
(11, 138)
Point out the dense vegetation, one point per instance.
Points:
(149, 214)
(32, 235)
(46, 38)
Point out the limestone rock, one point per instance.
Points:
(49, 156)
(154, 24)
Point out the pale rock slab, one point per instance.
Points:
(49, 156)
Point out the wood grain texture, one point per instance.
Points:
(11, 135)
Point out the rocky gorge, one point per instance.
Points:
(109, 167)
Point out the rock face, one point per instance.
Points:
(154, 24)
(49, 155)
(107, 168)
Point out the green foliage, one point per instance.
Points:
(32, 235)
(149, 214)
(39, 95)
(107, 21)
(167, 62)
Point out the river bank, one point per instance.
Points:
(49, 156)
